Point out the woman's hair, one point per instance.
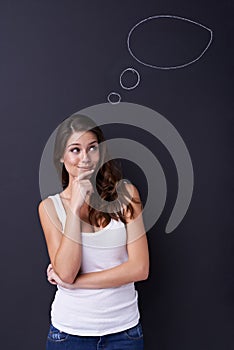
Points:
(108, 175)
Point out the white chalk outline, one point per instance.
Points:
(111, 94)
(133, 70)
(175, 17)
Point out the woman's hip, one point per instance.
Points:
(129, 339)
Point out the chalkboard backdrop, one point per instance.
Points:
(59, 57)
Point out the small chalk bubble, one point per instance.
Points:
(114, 98)
(125, 74)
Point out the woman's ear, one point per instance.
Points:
(61, 160)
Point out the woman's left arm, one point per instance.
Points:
(136, 268)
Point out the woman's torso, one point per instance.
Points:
(96, 311)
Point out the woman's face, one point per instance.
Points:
(81, 153)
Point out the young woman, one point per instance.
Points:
(97, 245)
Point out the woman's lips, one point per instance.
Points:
(85, 168)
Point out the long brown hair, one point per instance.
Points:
(108, 175)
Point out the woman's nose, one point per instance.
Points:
(85, 157)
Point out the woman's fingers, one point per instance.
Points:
(85, 174)
(49, 268)
(51, 277)
(52, 281)
(81, 186)
(50, 272)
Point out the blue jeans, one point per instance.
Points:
(130, 339)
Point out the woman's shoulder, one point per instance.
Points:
(133, 193)
(47, 203)
(132, 189)
(132, 198)
(47, 211)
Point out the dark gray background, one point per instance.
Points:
(58, 57)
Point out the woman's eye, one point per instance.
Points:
(95, 147)
(76, 149)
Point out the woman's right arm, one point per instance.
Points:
(64, 249)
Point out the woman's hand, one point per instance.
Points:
(53, 278)
(49, 272)
(81, 187)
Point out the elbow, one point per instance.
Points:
(143, 273)
(66, 276)
(67, 273)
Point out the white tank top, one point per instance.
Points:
(96, 312)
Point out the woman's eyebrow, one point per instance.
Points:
(78, 144)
